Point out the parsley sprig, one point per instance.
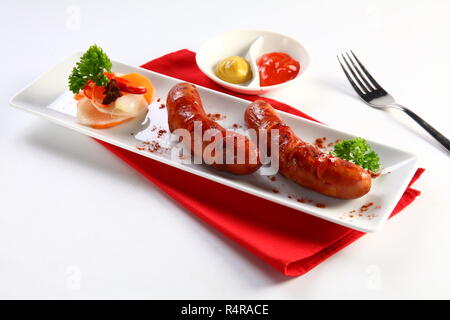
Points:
(92, 66)
(358, 151)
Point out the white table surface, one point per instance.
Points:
(77, 222)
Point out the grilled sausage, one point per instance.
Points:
(185, 111)
(306, 164)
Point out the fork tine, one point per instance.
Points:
(368, 75)
(361, 75)
(358, 91)
(355, 77)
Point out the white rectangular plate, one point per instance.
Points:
(49, 97)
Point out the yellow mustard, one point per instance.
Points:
(234, 69)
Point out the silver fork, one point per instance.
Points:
(375, 96)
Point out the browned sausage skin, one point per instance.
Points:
(185, 111)
(306, 164)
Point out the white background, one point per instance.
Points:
(77, 222)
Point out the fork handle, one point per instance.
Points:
(436, 134)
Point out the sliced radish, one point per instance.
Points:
(88, 114)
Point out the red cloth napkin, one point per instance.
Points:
(290, 241)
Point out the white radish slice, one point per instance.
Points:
(110, 109)
(130, 105)
(88, 115)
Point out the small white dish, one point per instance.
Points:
(239, 43)
(48, 97)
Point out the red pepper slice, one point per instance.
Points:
(110, 75)
(125, 86)
(96, 93)
(88, 89)
(98, 96)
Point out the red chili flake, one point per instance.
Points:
(319, 143)
(290, 197)
(161, 133)
(275, 191)
(235, 126)
(320, 205)
(301, 200)
(216, 116)
(162, 106)
(151, 146)
(154, 146)
(378, 207)
(351, 216)
(360, 214)
(324, 138)
(272, 178)
(159, 99)
(365, 207)
(330, 144)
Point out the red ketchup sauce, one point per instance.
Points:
(276, 67)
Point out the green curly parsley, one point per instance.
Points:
(92, 66)
(358, 151)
